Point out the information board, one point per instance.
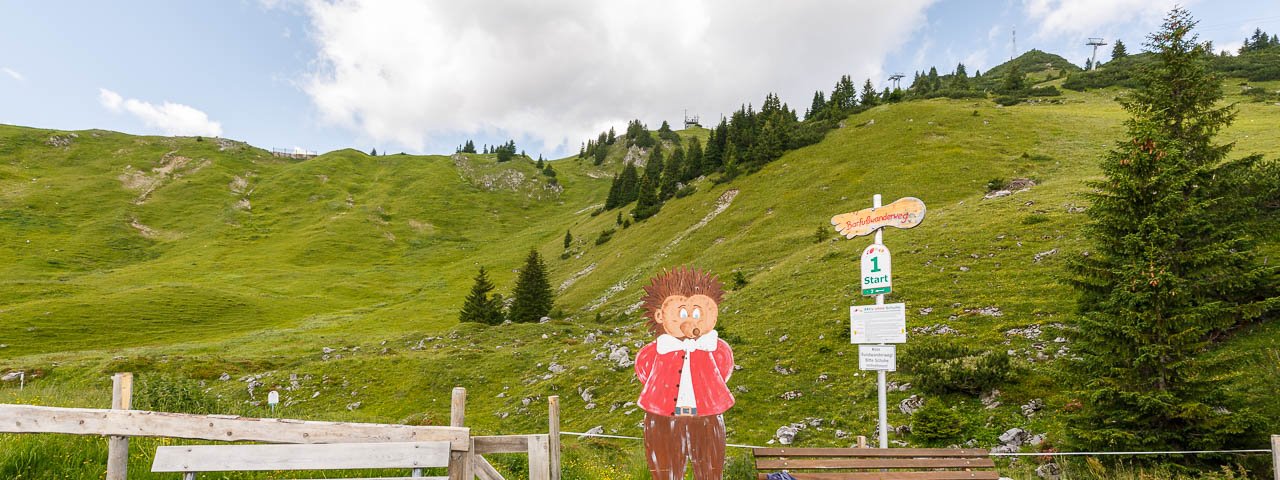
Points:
(878, 357)
(878, 323)
(877, 270)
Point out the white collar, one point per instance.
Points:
(707, 342)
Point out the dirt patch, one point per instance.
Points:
(152, 233)
(568, 282)
(422, 227)
(241, 187)
(171, 167)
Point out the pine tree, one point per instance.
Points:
(959, 78)
(1118, 51)
(611, 137)
(1014, 80)
(373, 153)
(1172, 265)
(568, 239)
(869, 96)
(533, 298)
(818, 105)
(844, 97)
(692, 161)
(653, 169)
(935, 82)
(479, 307)
(647, 204)
(671, 173)
(539, 163)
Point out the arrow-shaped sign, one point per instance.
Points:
(907, 212)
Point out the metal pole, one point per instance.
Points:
(883, 395)
(1275, 455)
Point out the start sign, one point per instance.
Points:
(877, 268)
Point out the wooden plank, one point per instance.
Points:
(501, 444)
(870, 452)
(485, 470)
(779, 463)
(941, 475)
(388, 478)
(539, 464)
(1275, 455)
(118, 446)
(461, 466)
(553, 435)
(334, 456)
(139, 423)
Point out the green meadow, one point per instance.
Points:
(338, 280)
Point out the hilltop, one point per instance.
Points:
(339, 278)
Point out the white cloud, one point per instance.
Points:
(425, 74)
(1076, 19)
(169, 118)
(12, 73)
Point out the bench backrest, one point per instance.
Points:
(876, 463)
(333, 456)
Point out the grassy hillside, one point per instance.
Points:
(339, 278)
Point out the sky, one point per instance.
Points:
(426, 76)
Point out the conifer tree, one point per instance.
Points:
(479, 307)
(1118, 51)
(1014, 80)
(671, 173)
(1171, 266)
(692, 161)
(647, 204)
(533, 298)
(869, 96)
(817, 106)
(960, 78)
(373, 153)
(568, 239)
(653, 169)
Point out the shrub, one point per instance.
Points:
(1008, 100)
(605, 236)
(1034, 219)
(164, 393)
(1049, 91)
(739, 280)
(949, 368)
(936, 424)
(996, 184)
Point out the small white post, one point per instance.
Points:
(883, 394)
(22, 380)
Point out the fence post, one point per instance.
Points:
(118, 447)
(460, 466)
(1275, 455)
(553, 436)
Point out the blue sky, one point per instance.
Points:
(422, 77)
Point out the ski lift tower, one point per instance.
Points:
(1095, 42)
(895, 78)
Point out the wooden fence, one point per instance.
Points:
(119, 423)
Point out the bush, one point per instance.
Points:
(1049, 91)
(1008, 100)
(164, 393)
(685, 191)
(935, 424)
(949, 368)
(996, 184)
(739, 280)
(605, 236)
(1035, 218)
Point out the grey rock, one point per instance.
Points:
(596, 430)
(990, 399)
(224, 377)
(555, 368)
(1014, 436)
(353, 405)
(791, 395)
(1049, 471)
(1043, 255)
(11, 376)
(621, 356)
(1030, 408)
(911, 405)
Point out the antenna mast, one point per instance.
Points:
(1014, 51)
(1095, 42)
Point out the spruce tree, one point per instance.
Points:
(629, 184)
(479, 307)
(692, 161)
(1172, 265)
(568, 239)
(647, 203)
(373, 152)
(869, 95)
(1118, 51)
(533, 298)
(817, 106)
(671, 173)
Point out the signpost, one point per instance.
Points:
(874, 327)
(273, 399)
(877, 270)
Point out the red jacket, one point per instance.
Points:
(660, 375)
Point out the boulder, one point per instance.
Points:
(911, 405)
(1015, 437)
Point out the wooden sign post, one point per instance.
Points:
(882, 324)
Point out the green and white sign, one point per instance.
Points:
(877, 270)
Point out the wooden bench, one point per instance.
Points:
(193, 459)
(876, 463)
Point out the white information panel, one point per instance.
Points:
(877, 270)
(878, 357)
(878, 323)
